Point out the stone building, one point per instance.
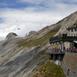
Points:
(65, 42)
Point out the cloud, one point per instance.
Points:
(34, 1)
(73, 2)
(32, 14)
(26, 21)
(51, 5)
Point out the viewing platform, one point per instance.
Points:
(59, 45)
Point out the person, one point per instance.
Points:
(68, 71)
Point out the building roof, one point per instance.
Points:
(71, 28)
(55, 39)
(63, 39)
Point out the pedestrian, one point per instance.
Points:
(68, 71)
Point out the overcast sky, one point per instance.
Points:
(28, 15)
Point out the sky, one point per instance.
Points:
(22, 16)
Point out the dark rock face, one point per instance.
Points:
(11, 35)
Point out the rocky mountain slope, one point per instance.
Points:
(20, 56)
(18, 61)
(67, 22)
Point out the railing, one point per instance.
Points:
(55, 50)
(72, 50)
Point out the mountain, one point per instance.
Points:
(20, 56)
(67, 22)
(1, 38)
(11, 35)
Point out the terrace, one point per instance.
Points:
(59, 45)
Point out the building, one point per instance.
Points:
(66, 42)
(70, 31)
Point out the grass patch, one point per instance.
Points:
(49, 70)
(35, 42)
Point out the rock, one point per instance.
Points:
(11, 35)
(67, 22)
(19, 60)
(32, 32)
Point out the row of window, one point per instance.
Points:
(72, 34)
(73, 29)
